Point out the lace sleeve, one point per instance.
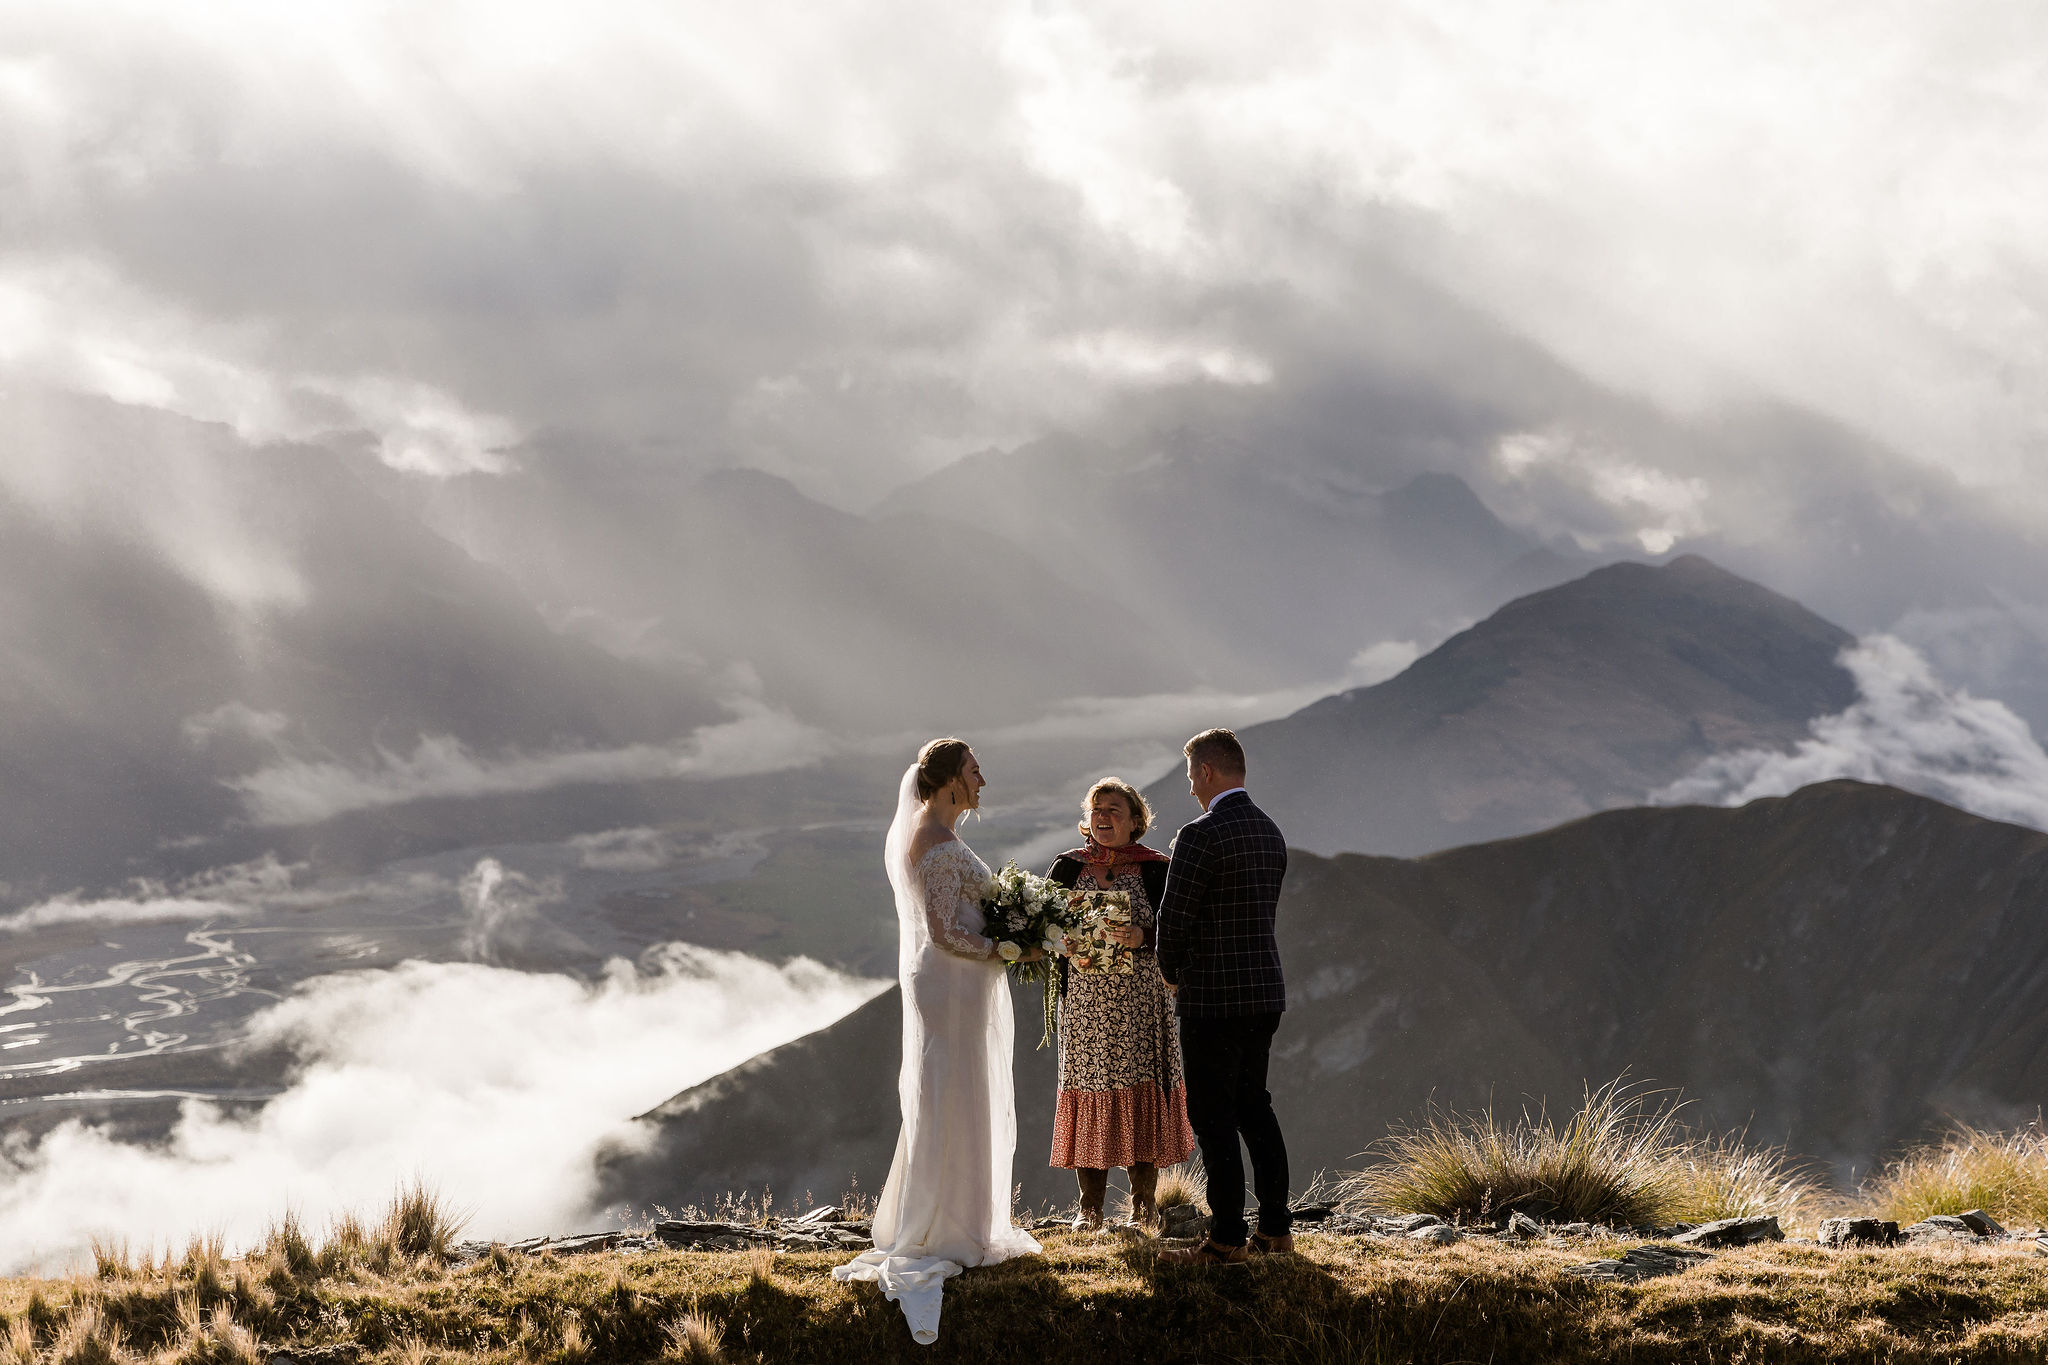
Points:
(952, 887)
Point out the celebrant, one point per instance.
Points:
(1121, 1097)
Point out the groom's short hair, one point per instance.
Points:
(1219, 749)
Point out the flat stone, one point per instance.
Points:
(1439, 1233)
(1641, 1263)
(1942, 1227)
(1311, 1213)
(1576, 1230)
(709, 1236)
(1412, 1222)
(1849, 1232)
(1982, 1223)
(1522, 1226)
(584, 1242)
(799, 1241)
(1733, 1232)
(824, 1213)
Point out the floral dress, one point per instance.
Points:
(1121, 1100)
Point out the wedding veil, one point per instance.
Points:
(896, 848)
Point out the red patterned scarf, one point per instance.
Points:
(1109, 859)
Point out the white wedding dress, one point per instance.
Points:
(946, 1205)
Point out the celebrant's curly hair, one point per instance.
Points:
(1134, 802)
(938, 763)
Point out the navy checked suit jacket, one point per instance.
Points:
(1216, 916)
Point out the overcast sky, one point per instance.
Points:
(846, 243)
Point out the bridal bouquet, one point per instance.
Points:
(1021, 912)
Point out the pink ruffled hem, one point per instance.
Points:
(1101, 1129)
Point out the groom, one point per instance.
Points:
(1216, 948)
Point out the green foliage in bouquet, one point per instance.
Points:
(1022, 911)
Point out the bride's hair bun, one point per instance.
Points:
(938, 763)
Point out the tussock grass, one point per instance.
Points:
(694, 1339)
(2004, 1174)
(421, 1223)
(1610, 1164)
(1622, 1160)
(1723, 1177)
(1182, 1184)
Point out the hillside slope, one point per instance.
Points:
(1836, 970)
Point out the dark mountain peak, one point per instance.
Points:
(1579, 698)
(1624, 615)
(1690, 580)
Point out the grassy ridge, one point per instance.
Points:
(1091, 1297)
(384, 1289)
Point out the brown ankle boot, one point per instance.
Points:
(1207, 1254)
(1094, 1187)
(1144, 1187)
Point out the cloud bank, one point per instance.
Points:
(1908, 730)
(824, 249)
(236, 891)
(759, 739)
(495, 1086)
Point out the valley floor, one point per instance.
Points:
(1092, 1297)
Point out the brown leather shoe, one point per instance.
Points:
(1208, 1253)
(1262, 1245)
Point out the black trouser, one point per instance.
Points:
(1225, 1065)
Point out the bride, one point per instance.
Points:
(946, 1205)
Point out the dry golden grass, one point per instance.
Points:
(1088, 1299)
(1609, 1164)
(694, 1339)
(1622, 1160)
(2004, 1174)
(1100, 1300)
(1723, 1177)
(1182, 1184)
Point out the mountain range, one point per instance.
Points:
(1263, 571)
(1838, 971)
(1578, 698)
(132, 691)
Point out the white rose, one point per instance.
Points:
(1008, 951)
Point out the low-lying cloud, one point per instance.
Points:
(498, 903)
(1909, 730)
(305, 791)
(231, 892)
(623, 850)
(494, 1086)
